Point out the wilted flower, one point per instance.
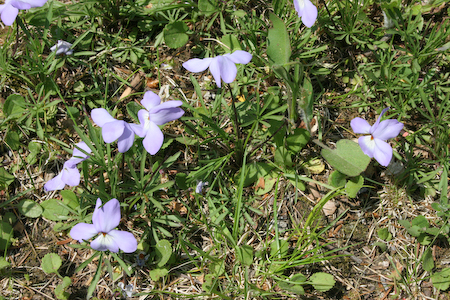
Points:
(113, 129)
(104, 220)
(10, 10)
(69, 174)
(200, 186)
(62, 48)
(154, 114)
(374, 145)
(307, 11)
(141, 258)
(127, 291)
(222, 67)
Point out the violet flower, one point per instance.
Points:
(69, 174)
(10, 10)
(200, 186)
(307, 11)
(154, 114)
(62, 48)
(104, 220)
(222, 67)
(374, 144)
(113, 129)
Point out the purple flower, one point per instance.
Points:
(374, 145)
(62, 48)
(154, 114)
(113, 129)
(307, 11)
(104, 220)
(10, 10)
(200, 186)
(221, 67)
(69, 174)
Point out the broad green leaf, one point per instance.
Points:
(12, 139)
(322, 281)
(175, 34)
(427, 260)
(70, 199)
(384, 234)
(278, 44)
(206, 6)
(5, 178)
(245, 254)
(354, 185)
(6, 233)
(29, 208)
(253, 171)
(279, 248)
(54, 210)
(295, 284)
(232, 42)
(3, 263)
(14, 106)
(51, 262)
(60, 290)
(347, 158)
(158, 273)
(297, 140)
(337, 179)
(441, 280)
(163, 251)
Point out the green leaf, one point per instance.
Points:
(322, 281)
(420, 221)
(382, 246)
(441, 280)
(51, 262)
(6, 233)
(163, 251)
(217, 268)
(70, 199)
(427, 260)
(209, 283)
(29, 208)
(253, 171)
(232, 42)
(133, 109)
(3, 263)
(14, 106)
(158, 273)
(12, 140)
(354, 185)
(206, 6)
(54, 210)
(384, 234)
(175, 34)
(245, 254)
(280, 249)
(347, 158)
(278, 44)
(296, 141)
(5, 178)
(60, 292)
(295, 284)
(337, 179)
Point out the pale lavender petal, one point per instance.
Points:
(105, 242)
(125, 240)
(20, 4)
(79, 156)
(239, 57)
(150, 100)
(367, 144)
(126, 140)
(375, 126)
(113, 130)
(388, 129)
(106, 218)
(144, 117)
(101, 116)
(214, 68)
(70, 176)
(154, 139)
(34, 3)
(54, 184)
(383, 152)
(166, 112)
(197, 65)
(83, 232)
(307, 11)
(228, 70)
(138, 129)
(9, 14)
(360, 125)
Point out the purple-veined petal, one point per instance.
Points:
(101, 116)
(83, 232)
(125, 240)
(154, 139)
(214, 68)
(9, 14)
(54, 184)
(367, 144)
(388, 129)
(239, 57)
(228, 70)
(70, 176)
(126, 140)
(307, 11)
(106, 218)
(105, 242)
(166, 112)
(382, 152)
(20, 4)
(197, 65)
(150, 100)
(138, 129)
(360, 125)
(113, 130)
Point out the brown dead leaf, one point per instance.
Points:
(260, 184)
(152, 83)
(134, 86)
(329, 208)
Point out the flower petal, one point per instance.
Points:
(9, 14)
(150, 100)
(388, 129)
(214, 68)
(309, 15)
(105, 242)
(197, 65)
(166, 112)
(383, 152)
(126, 140)
(239, 57)
(54, 184)
(106, 218)
(34, 3)
(20, 4)
(367, 145)
(138, 129)
(154, 139)
(101, 116)
(125, 240)
(228, 70)
(79, 156)
(113, 130)
(70, 176)
(82, 232)
(360, 125)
